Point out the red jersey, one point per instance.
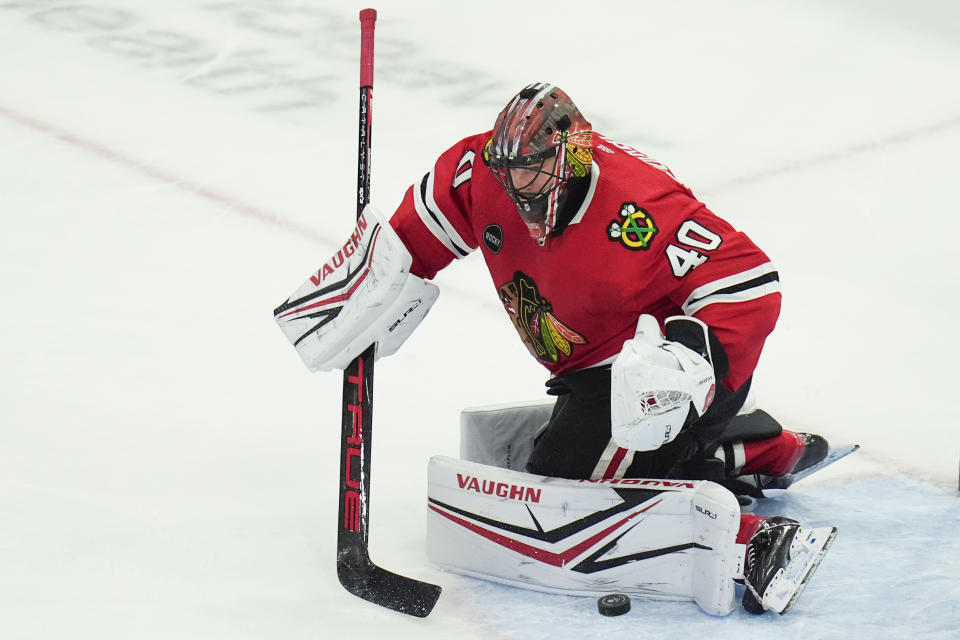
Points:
(639, 243)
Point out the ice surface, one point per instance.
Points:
(170, 172)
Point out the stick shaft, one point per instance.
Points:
(356, 434)
(368, 19)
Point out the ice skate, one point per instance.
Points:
(781, 558)
(759, 455)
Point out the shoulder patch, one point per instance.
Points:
(634, 229)
(493, 238)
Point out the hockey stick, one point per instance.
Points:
(356, 571)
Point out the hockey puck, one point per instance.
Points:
(613, 604)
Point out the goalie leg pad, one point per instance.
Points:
(502, 435)
(756, 425)
(665, 539)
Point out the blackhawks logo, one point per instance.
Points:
(636, 229)
(548, 339)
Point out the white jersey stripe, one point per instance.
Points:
(462, 174)
(739, 456)
(434, 221)
(613, 462)
(462, 247)
(748, 285)
(733, 455)
(587, 201)
(743, 296)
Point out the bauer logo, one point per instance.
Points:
(493, 238)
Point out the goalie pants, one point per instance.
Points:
(576, 442)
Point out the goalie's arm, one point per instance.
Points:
(434, 217)
(364, 294)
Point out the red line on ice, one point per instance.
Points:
(156, 173)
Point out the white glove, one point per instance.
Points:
(364, 294)
(653, 384)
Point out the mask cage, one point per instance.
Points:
(542, 174)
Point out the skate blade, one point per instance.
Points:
(777, 484)
(787, 586)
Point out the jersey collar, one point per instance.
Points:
(565, 216)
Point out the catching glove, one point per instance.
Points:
(658, 386)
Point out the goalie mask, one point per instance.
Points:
(539, 142)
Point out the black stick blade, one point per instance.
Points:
(381, 587)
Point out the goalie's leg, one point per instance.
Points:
(758, 453)
(781, 557)
(786, 454)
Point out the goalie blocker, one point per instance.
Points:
(363, 294)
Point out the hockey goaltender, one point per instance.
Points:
(650, 313)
